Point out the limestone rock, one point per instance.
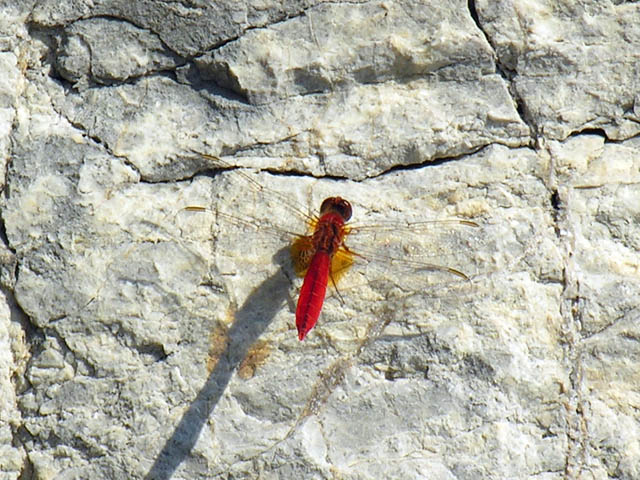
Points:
(143, 339)
(387, 42)
(572, 63)
(110, 51)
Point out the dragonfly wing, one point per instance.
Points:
(427, 253)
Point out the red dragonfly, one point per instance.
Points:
(318, 257)
(322, 255)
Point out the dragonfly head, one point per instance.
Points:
(338, 205)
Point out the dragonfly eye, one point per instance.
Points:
(344, 208)
(336, 204)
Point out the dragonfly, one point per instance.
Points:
(321, 255)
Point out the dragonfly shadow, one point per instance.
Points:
(250, 322)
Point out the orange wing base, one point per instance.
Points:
(302, 251)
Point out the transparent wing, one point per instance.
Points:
(260, 190)
(414, 253)
(439, 247)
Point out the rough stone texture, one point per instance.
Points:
(387, 41)
(142, 340)
(187, 29)
(87, 52)
(574, 64)
(599, 187)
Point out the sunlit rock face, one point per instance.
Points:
(488, 327)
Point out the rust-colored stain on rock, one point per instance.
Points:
(256, 356)
(218, 344)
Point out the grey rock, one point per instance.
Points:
(572, 63)
(187, 29)
(109, 51)
(14, 355)
(142, 339)
(598, 188)
(327, 135)
(387, 41)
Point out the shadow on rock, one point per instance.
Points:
(250, 322)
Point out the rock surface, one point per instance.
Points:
(142, 340)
